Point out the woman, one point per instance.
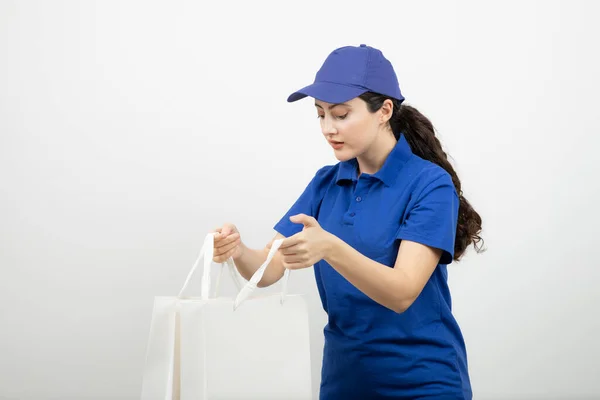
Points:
(380, 227)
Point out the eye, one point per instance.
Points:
(342, 116)
(320, 116)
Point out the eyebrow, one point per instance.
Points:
(333, 105)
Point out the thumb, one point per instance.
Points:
(305, 220)
(226, 231)
(221, 233)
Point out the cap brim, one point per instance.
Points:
(328, 92)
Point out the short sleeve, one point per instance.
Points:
(432, 218)
(308, 203)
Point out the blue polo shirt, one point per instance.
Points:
(372, 352)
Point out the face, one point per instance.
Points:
(349, 128)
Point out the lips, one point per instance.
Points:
(336, 145)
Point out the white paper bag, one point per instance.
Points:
(209, 348)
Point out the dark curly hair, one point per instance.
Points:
(420, 135)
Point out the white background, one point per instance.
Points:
(128, 130)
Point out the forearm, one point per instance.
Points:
(387, 286)
(251, 259)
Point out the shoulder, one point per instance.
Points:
(428, 176)
(325, 175)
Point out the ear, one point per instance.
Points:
(386, 111)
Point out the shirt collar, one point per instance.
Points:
(398, 157)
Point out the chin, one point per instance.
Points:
(343, 155)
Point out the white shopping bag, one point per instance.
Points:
(209, 348)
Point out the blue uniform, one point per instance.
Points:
(372, 352)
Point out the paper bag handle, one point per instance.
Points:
(207, 253)
(252, 284)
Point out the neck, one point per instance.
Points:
(373, 159)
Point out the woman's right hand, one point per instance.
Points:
(228, 243)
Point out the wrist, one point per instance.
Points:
(332, 244)
(240, 253)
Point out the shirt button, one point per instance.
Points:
(358, 198)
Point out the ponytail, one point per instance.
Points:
(420, 135)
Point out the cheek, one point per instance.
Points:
(358, 133)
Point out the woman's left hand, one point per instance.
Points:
(308, 247)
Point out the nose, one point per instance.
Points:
(327, 127)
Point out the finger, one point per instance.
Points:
(217, 234)
(221, 236)
(290, 251)
(291, 241)
(304, 219)
(297, 265)
(226, 248)
(226, 231)
(294, 258)
(225, 244)
(221, 258)
(226, 240)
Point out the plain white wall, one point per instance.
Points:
(128, 130)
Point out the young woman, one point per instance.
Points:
(380, 227)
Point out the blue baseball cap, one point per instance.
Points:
(349, 72)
